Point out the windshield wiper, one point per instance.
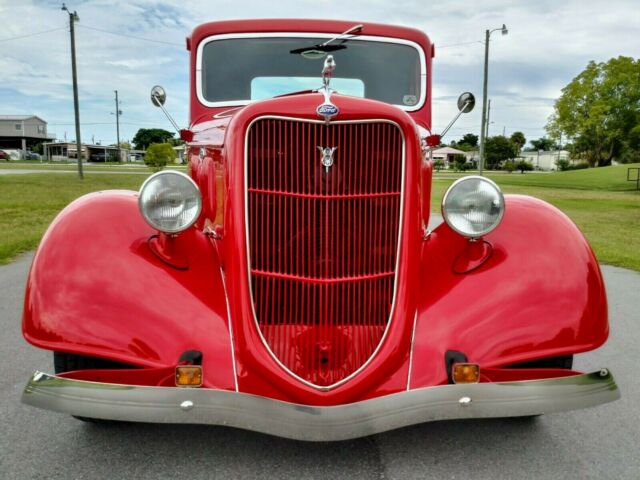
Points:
(318, 50)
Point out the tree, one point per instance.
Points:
(543, 143)
(519, 139)
(158, 155)
(469, 139)
(498, 149)
(146, 136)
(598, 109)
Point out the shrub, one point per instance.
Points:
(578, 166)
(509, 166)
(562, 164)
(460, 163)
(158, 155)
(524, 166)
(438, 165)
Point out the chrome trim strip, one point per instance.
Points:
(233, 348)
(400, 230)
(413, 336)
(235, 103)
(213, 241)
(312, 423)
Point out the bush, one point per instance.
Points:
(509, 166)
(460, 163)
(438, 165)
(578, 166)
(563, 165)
(524, 166)
(158, 155)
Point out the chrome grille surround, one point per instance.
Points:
(400, 218)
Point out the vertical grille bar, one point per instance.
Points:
(323, 241)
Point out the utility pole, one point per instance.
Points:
(117, 114)
(485, 115)
(73, 17)
(486, 132)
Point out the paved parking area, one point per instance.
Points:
(597, 443)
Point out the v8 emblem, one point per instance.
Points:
(327, 156)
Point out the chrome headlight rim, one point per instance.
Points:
(153, 177)
(486, 231)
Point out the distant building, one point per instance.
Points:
(93, 153)
(545, 159)
(22, 132)
(446, 154)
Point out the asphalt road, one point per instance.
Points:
(597, 443)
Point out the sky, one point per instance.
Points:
(132, 45)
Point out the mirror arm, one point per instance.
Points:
(169, 117)
(460, 112)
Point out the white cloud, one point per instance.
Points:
(549, 43)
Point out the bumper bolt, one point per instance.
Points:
(186, 405)
(465, 401)
(604, 372)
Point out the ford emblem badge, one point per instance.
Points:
(327, 110)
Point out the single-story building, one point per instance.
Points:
(93, 153)
(545, 159)
(446, 154)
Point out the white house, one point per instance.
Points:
(446, 154)
(545, 160)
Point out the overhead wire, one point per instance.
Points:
(18, 37)
(125, 35)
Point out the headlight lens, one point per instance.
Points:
(170, 201)
(473, 206)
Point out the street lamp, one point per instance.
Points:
(73, 18)
(488, 33)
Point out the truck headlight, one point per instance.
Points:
(170, 201)
(473, 206)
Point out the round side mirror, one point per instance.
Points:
(159, 96)
(466, 102)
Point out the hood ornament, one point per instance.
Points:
(327, 156)
(327, 109)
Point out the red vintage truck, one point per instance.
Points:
(291, 283)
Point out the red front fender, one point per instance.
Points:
(540, 294)
(96, 289)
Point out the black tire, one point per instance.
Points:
(566, 362)
(68, 362)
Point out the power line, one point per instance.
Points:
(459, 44)
(31, 34)
(131, 36)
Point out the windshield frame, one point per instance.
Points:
(303, 36)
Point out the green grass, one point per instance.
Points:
(604, 178)
(607, 213)
(599, 201)
(72, 167)
(28, 203)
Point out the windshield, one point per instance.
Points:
(240, 70)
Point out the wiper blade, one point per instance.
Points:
(318, 50)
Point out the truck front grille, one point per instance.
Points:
(323, 241)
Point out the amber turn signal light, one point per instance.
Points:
(465, 373)
(189, 376)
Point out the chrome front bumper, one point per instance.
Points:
(304, 422)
